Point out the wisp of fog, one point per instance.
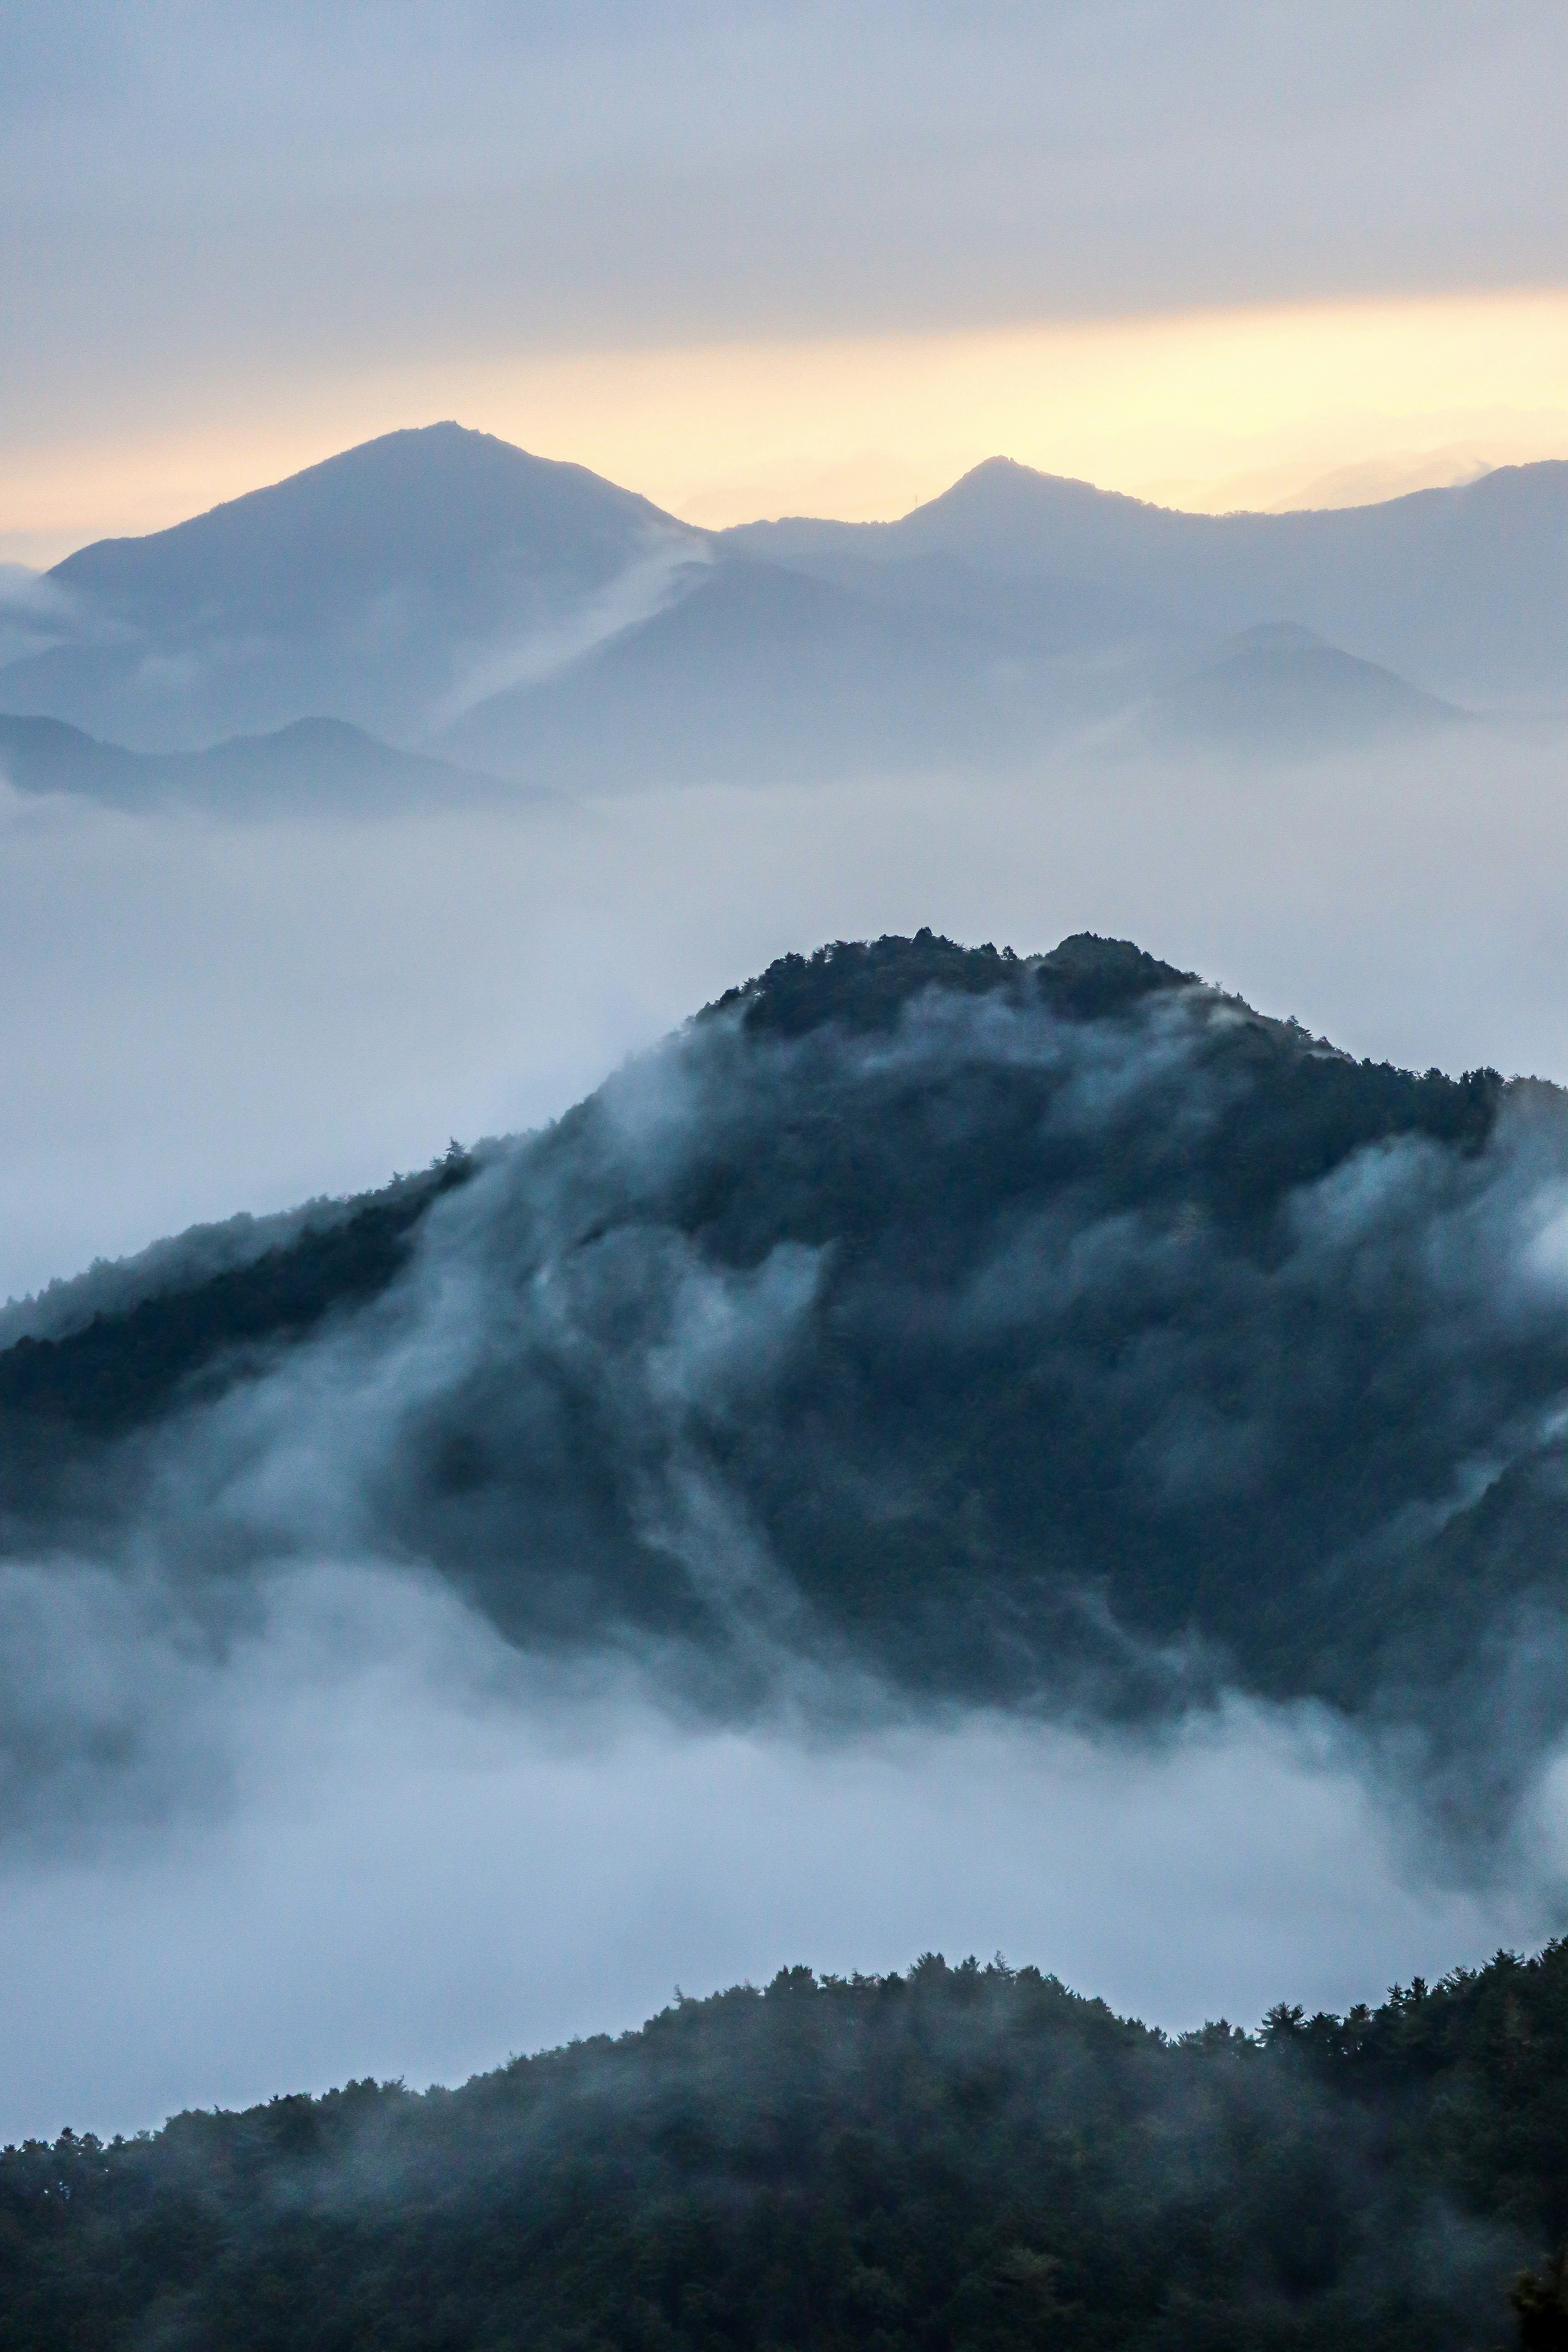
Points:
(340, 1804)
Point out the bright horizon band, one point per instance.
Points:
(1298, 404)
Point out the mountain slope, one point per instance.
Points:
(1462, 590)
(957, 2157)
(1045, 1332)
(440, 587)
(314, 765)
(762, 671)
(367, 587)
(1279, 692)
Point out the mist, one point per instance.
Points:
(253, 1014)
(369, 1839)
(326, 1818)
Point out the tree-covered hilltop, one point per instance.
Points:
(1049, 1331)
(958, 2157)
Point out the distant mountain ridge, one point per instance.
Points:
(363, 589)
(1280, 691)
(320, 765)
(1464, 590)
(443, 591)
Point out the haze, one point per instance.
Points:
(494, 723)
(766, 260)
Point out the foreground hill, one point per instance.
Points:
(960, 2158)
(925, 1321)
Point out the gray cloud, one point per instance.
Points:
(415, 184)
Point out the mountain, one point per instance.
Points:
(1279, 691)
(314, 765)
(1049, 1332)
(761, 671)
(957, 2156)
(1463, 591)
(440, 589)
(373, 588)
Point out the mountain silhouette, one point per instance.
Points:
(1461, 590)
(762, 671)
(363, 588)
(1279, 691)
(1043, 1331)
(441, 589)
(315, 764)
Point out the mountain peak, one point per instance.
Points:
(864, 984)
(427, 497)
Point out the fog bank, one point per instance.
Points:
(207, 1016)
(399, 1855)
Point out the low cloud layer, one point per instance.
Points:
(407, 1857)
(329, 1821)
(208, 1017)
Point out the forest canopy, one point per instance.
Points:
(954, 2157)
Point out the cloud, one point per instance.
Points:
(648, 583)
(331, 1820)
(402, 1854)
(464, 188)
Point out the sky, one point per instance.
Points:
(770, 259)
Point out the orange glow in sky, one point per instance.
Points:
(1300, 405)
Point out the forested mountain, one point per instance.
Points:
(1051, 1332)
(957, 2158)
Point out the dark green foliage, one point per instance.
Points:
(124, 1369)
(1540, 2306)
(863, 984)
(961, 2157)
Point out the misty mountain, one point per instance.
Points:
(373, 588)
(957, 2157)
(1462, 590)
(762, 672)
(1279, 691)
(316, 765)
(921, 1325)
(440, 589)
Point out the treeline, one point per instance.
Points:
(960, 2159)
(124, 1368)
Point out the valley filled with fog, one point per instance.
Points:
(478, 827)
